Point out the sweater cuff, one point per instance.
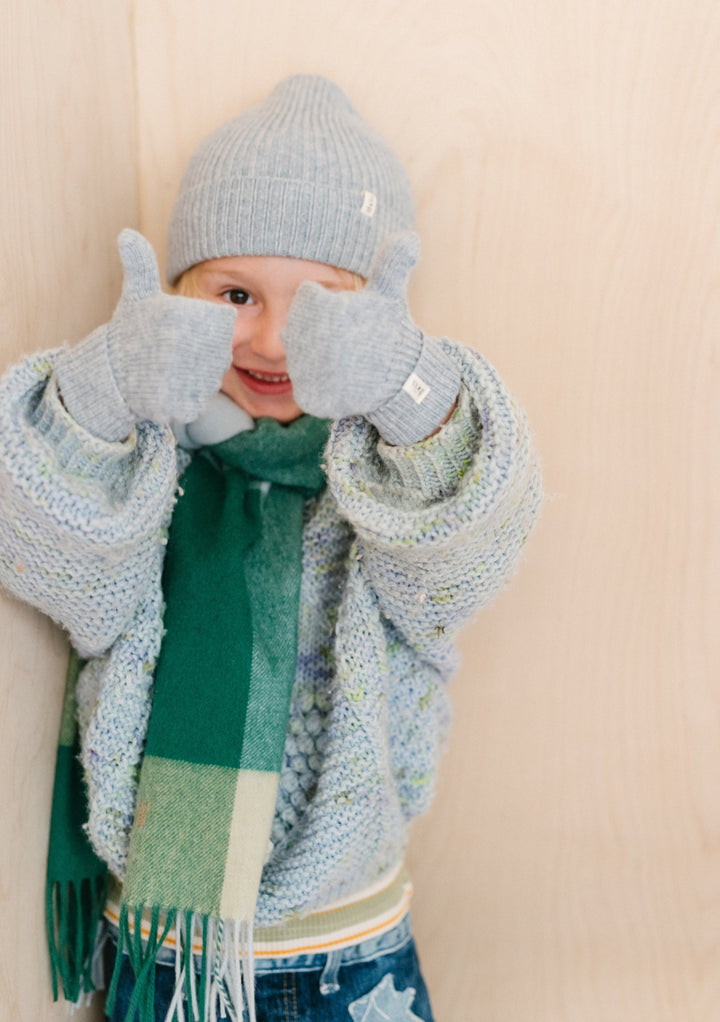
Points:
(75, 451)
(434, 467)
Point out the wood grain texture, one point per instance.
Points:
(68, 186)
(565, 158)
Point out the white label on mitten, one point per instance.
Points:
(369, 203)
(416, 388)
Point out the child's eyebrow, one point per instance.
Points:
(244, 279)
(230, 277)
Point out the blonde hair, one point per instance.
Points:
(186, 284)
(352, 281)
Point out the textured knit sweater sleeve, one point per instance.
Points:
(441, 523)
(81, 520)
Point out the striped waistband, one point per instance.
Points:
(366, 915)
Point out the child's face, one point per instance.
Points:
(262, 288)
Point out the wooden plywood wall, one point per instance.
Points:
(565, 161)
(68, 185)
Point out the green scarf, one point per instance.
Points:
(210, 771)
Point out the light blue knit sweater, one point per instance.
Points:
(401, 549)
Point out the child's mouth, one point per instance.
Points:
(265, 383)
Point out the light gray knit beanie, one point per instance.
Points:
(301, 174)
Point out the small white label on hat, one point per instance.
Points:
(416, 388)
(369, 203)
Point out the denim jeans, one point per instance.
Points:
(369, 982)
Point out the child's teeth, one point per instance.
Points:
(268, 378)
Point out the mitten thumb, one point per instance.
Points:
(142, 277)
(393, 264)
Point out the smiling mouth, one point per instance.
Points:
(270, 384)
(268, 377)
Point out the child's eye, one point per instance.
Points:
(237, 296)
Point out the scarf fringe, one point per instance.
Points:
(223, 985)
(75, 935)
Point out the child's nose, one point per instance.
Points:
(267, 339)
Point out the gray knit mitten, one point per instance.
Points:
(160, 357)
(360, 353)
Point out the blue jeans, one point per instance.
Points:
(370, 981)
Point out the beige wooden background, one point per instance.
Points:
(566, 160)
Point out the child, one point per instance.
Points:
(353, 494)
